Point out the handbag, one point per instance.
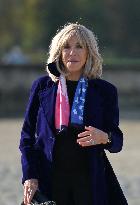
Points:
(40, 199)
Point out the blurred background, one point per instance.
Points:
(26, 29)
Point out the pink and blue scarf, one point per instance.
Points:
(62, 107)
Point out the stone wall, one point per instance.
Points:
(16, 80)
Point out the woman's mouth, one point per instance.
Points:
(73, 61)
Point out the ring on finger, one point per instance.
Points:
(92, 142)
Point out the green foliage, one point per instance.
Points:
(32, 23)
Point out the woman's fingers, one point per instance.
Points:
(30, 195)
(25, 194)
(84, 139)
(92, 136)
(90, 131)
(30, 187)
(86, 143)
(83, 134)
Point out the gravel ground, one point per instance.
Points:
(126, 163)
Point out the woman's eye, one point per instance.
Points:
(79, 46)
(67, 46)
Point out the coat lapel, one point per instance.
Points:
(93, 105)
(47, 100)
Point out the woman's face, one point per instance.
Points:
(74, 56)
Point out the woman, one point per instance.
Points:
(71, 118)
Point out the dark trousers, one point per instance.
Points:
(72, 189)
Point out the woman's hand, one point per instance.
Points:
(30, 187)
(92, 136)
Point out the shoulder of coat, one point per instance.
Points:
(44, 82)
(103, 84)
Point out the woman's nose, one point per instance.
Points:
(72, 51)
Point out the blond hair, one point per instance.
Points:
(93, 65)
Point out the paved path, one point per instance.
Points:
(126, 163)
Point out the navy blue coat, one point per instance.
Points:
(37, 137)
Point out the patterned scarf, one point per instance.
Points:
(62, 107)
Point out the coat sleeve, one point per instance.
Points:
(29, 155)
(111, 121)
